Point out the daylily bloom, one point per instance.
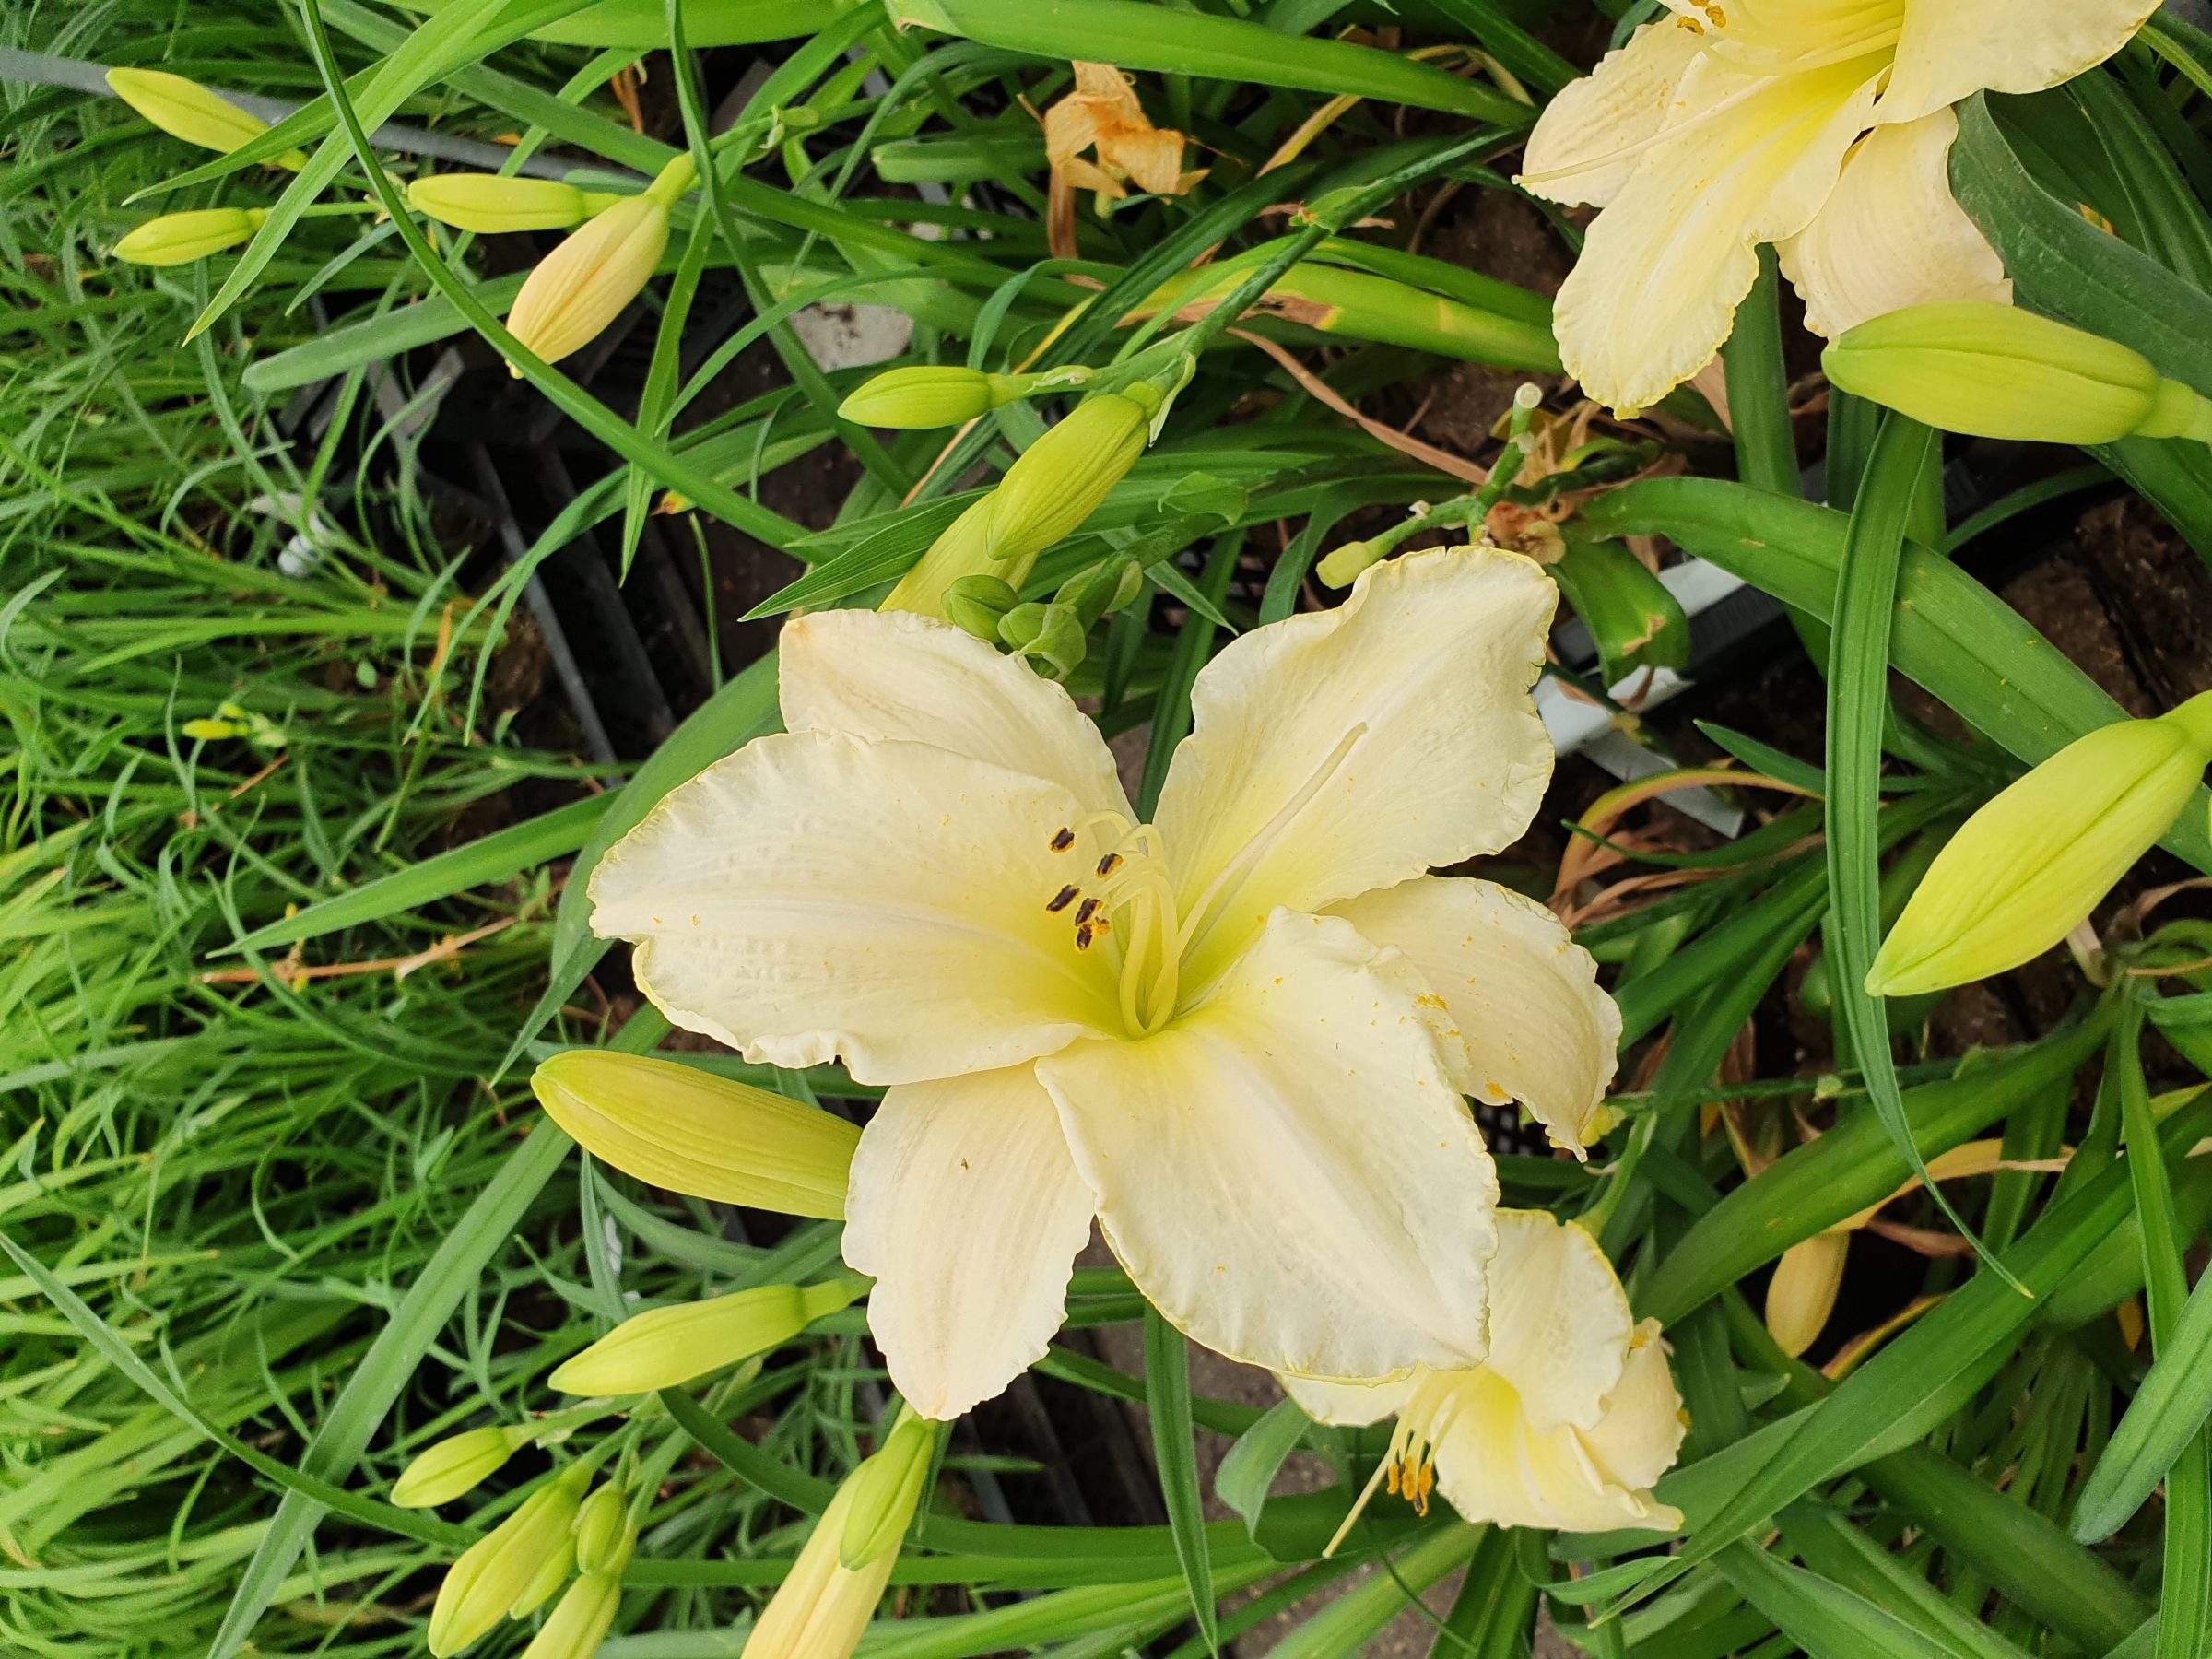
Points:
(1823, 126)
(1566, 1426)
(1102, 115)
(1237, 1034)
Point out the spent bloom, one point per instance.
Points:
(1238, 1034)
(583, 284)
(1823, 126)
(2000, 372)
(1102, 115)
(2030, 865)
(1567, 1423)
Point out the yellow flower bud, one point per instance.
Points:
(1060, 480)
(886, 1489)
(457, 1464)
(823, 1609)
(917, 399)
(691, 1132)
(583, 284)
(1999, 372)
(664, 1348)
(489, 204)
(177, 239)
(499, 1570)
(604, 1535)
(553, 1571)
(957, 553)
(2029, 867)
(581, 1622)
(183, 109)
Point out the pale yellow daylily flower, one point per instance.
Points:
(1238, 1034)
(1823, 126)
(1565, 1427)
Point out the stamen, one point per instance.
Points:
(1109, 863)
(1387, 1468)
(1063, 899)
(1062, 840)
(1083, 936)
(1084, 911)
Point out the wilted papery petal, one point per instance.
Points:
(2030, 865)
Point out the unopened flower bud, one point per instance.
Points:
(1102, 589)
(2029, 867)
(664, 1348)
(177, 239)
(957, 552)
(579, 1623)
(919, 399)
(183, 109)
(492, 205)
(977, 603)
(1061, 479)
(457, 1464)
(553, 1571)
(1341, 566)
(823, 1607)
(496, 1572)
(604, 1535)
(1050, 634)
(1999, 372)
(679, 1127)
(583, 284)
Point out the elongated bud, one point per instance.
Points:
(177, 239)
(505, 1565)
(958, 552)
(553, 1570)
(823, 1609)
(1060, 480)
(1999, 372)
(977, 603)
(492, 205)
(579, 1623)
(457, 1464)
(887, 1491)
(604, 1535)
(691, 1132)
(183, 109)
(664, 1348)
(922, 397)
(2029, 867)
(585, 283)
(1050, 634)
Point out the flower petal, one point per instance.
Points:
(1286, 1170)
(1560, 1321)
(1522, 996)
(897, 677)
(1952, 49)
(815, 896)
(966, 1210)
(1578, 153)
(1349, 1405)
(1892, 235)
(1665, 267)
(1495, 1465)
(1404, 715)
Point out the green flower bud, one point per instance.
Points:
(664, 1348)
(604, 1535)
(507, 1563)
(177, 239)
(1100, 590)
(489, 204)
(679, 1127)
(553, 1571)
(458, 1463)
(977, 603)
(1050, 634)
(917, 399)
(886, 1489)
(2029, 867)
(958, 552)
(579, 1624)
(183, 109)
(1341, 566)
(1999, 372)
(1061, 479)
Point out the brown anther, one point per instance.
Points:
(1109, 863)
(1063, 899)
(1083, 936)
(1102, 926)
(1085, 911)
(1063, 840)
